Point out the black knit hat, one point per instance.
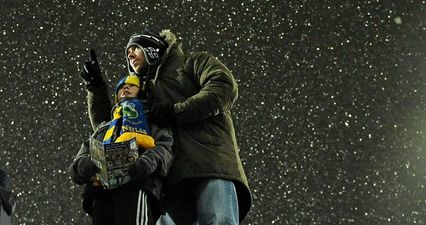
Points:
(152, 45)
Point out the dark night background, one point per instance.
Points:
(331, 116)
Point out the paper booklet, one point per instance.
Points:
(113, 159)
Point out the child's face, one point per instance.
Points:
(128, 91)
(136, 58)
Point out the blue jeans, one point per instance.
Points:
(204, 202)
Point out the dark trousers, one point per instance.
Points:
(122, 206)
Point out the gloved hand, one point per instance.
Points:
(86, 168)
(162, 114)
(143, 167)
(91, 73)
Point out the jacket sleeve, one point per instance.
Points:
(99, 105)
(73, 169)
(162, 153)
(218, 89)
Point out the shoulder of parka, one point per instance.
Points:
(200, 57)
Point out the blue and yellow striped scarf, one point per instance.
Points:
(129, 121)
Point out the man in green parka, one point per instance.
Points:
(193, 94)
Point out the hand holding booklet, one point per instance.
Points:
(113, 159)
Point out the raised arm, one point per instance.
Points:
(98, 102)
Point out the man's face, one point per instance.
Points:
(128, 91)
(136, 58)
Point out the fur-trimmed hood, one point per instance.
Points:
(168, 36)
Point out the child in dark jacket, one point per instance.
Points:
(138, 201)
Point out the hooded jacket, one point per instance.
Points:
(203, 91)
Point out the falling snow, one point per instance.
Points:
(331, 116)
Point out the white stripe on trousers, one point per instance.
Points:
(142, 212)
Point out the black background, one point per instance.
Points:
(331, 116)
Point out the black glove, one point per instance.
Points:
(162, 114)
(91, 73)
(86, 168)
(143, 167)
